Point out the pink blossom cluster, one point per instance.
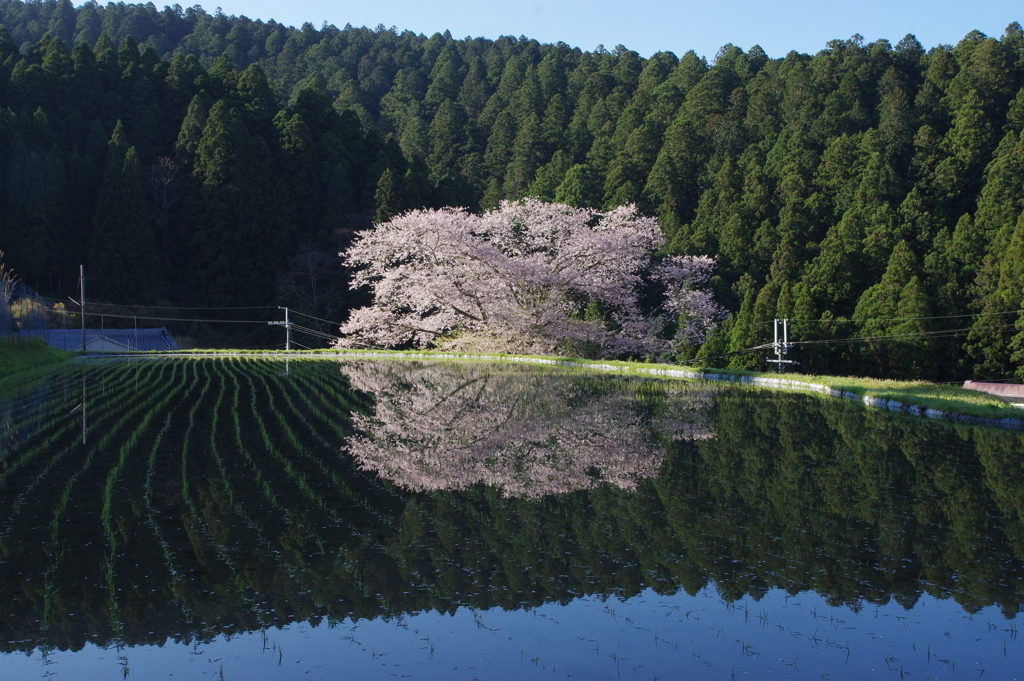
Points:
(527, 431)
(520, 279)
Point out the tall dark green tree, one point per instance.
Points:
(125, 264)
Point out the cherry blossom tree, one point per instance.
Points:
(527, 431)
(528, 276)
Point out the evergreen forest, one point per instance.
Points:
(872, 193)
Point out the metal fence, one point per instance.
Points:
(23, 312)
(6, 319)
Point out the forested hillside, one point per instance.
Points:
(868, 191)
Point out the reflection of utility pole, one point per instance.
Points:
(84, 424)
(287, 327)
(781, 349)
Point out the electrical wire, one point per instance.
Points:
(328, 321)
(174, 319)
(165, 307)
(314, 332)
(860, 320)
(921, 334)
(945, 333)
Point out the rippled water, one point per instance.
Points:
(303, 519)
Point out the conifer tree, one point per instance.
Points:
(581, 188)
(387, 197)
(878, 313)
(124, 260)
(236, 235)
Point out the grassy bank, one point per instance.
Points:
(21, 354)
(942, 397)
(945, 398)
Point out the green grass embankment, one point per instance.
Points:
(20, 354)
(916, 397)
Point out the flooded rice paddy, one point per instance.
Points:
(264, 519)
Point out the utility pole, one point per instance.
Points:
(287, 327)
(782, 348)
(81, 302)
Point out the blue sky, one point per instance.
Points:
(648, 26)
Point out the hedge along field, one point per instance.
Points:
(149, 501)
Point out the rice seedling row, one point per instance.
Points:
(149, 408)
(175, 574)
(304, 527)
(219, 462)
(222, 551)
(63, 427)
(330, 396)
(298, 446)
(270, 549)
(340, 414)
(21, 413)
(54, 462)
(225, 482)
(261, 481)
(298, 478)
(55, 548)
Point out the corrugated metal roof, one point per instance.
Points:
(137, 340)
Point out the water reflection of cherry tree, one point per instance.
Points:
(524, 431)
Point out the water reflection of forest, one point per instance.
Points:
(216, 500)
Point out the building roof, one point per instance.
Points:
(135, 340)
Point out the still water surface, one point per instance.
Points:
(252, 519)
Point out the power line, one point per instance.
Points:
(174, 319)
(921, 334)
(859, 320)
(328, 321)
(858, 339)
(315, 333)
(168, 307)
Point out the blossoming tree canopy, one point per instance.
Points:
(528, 276)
